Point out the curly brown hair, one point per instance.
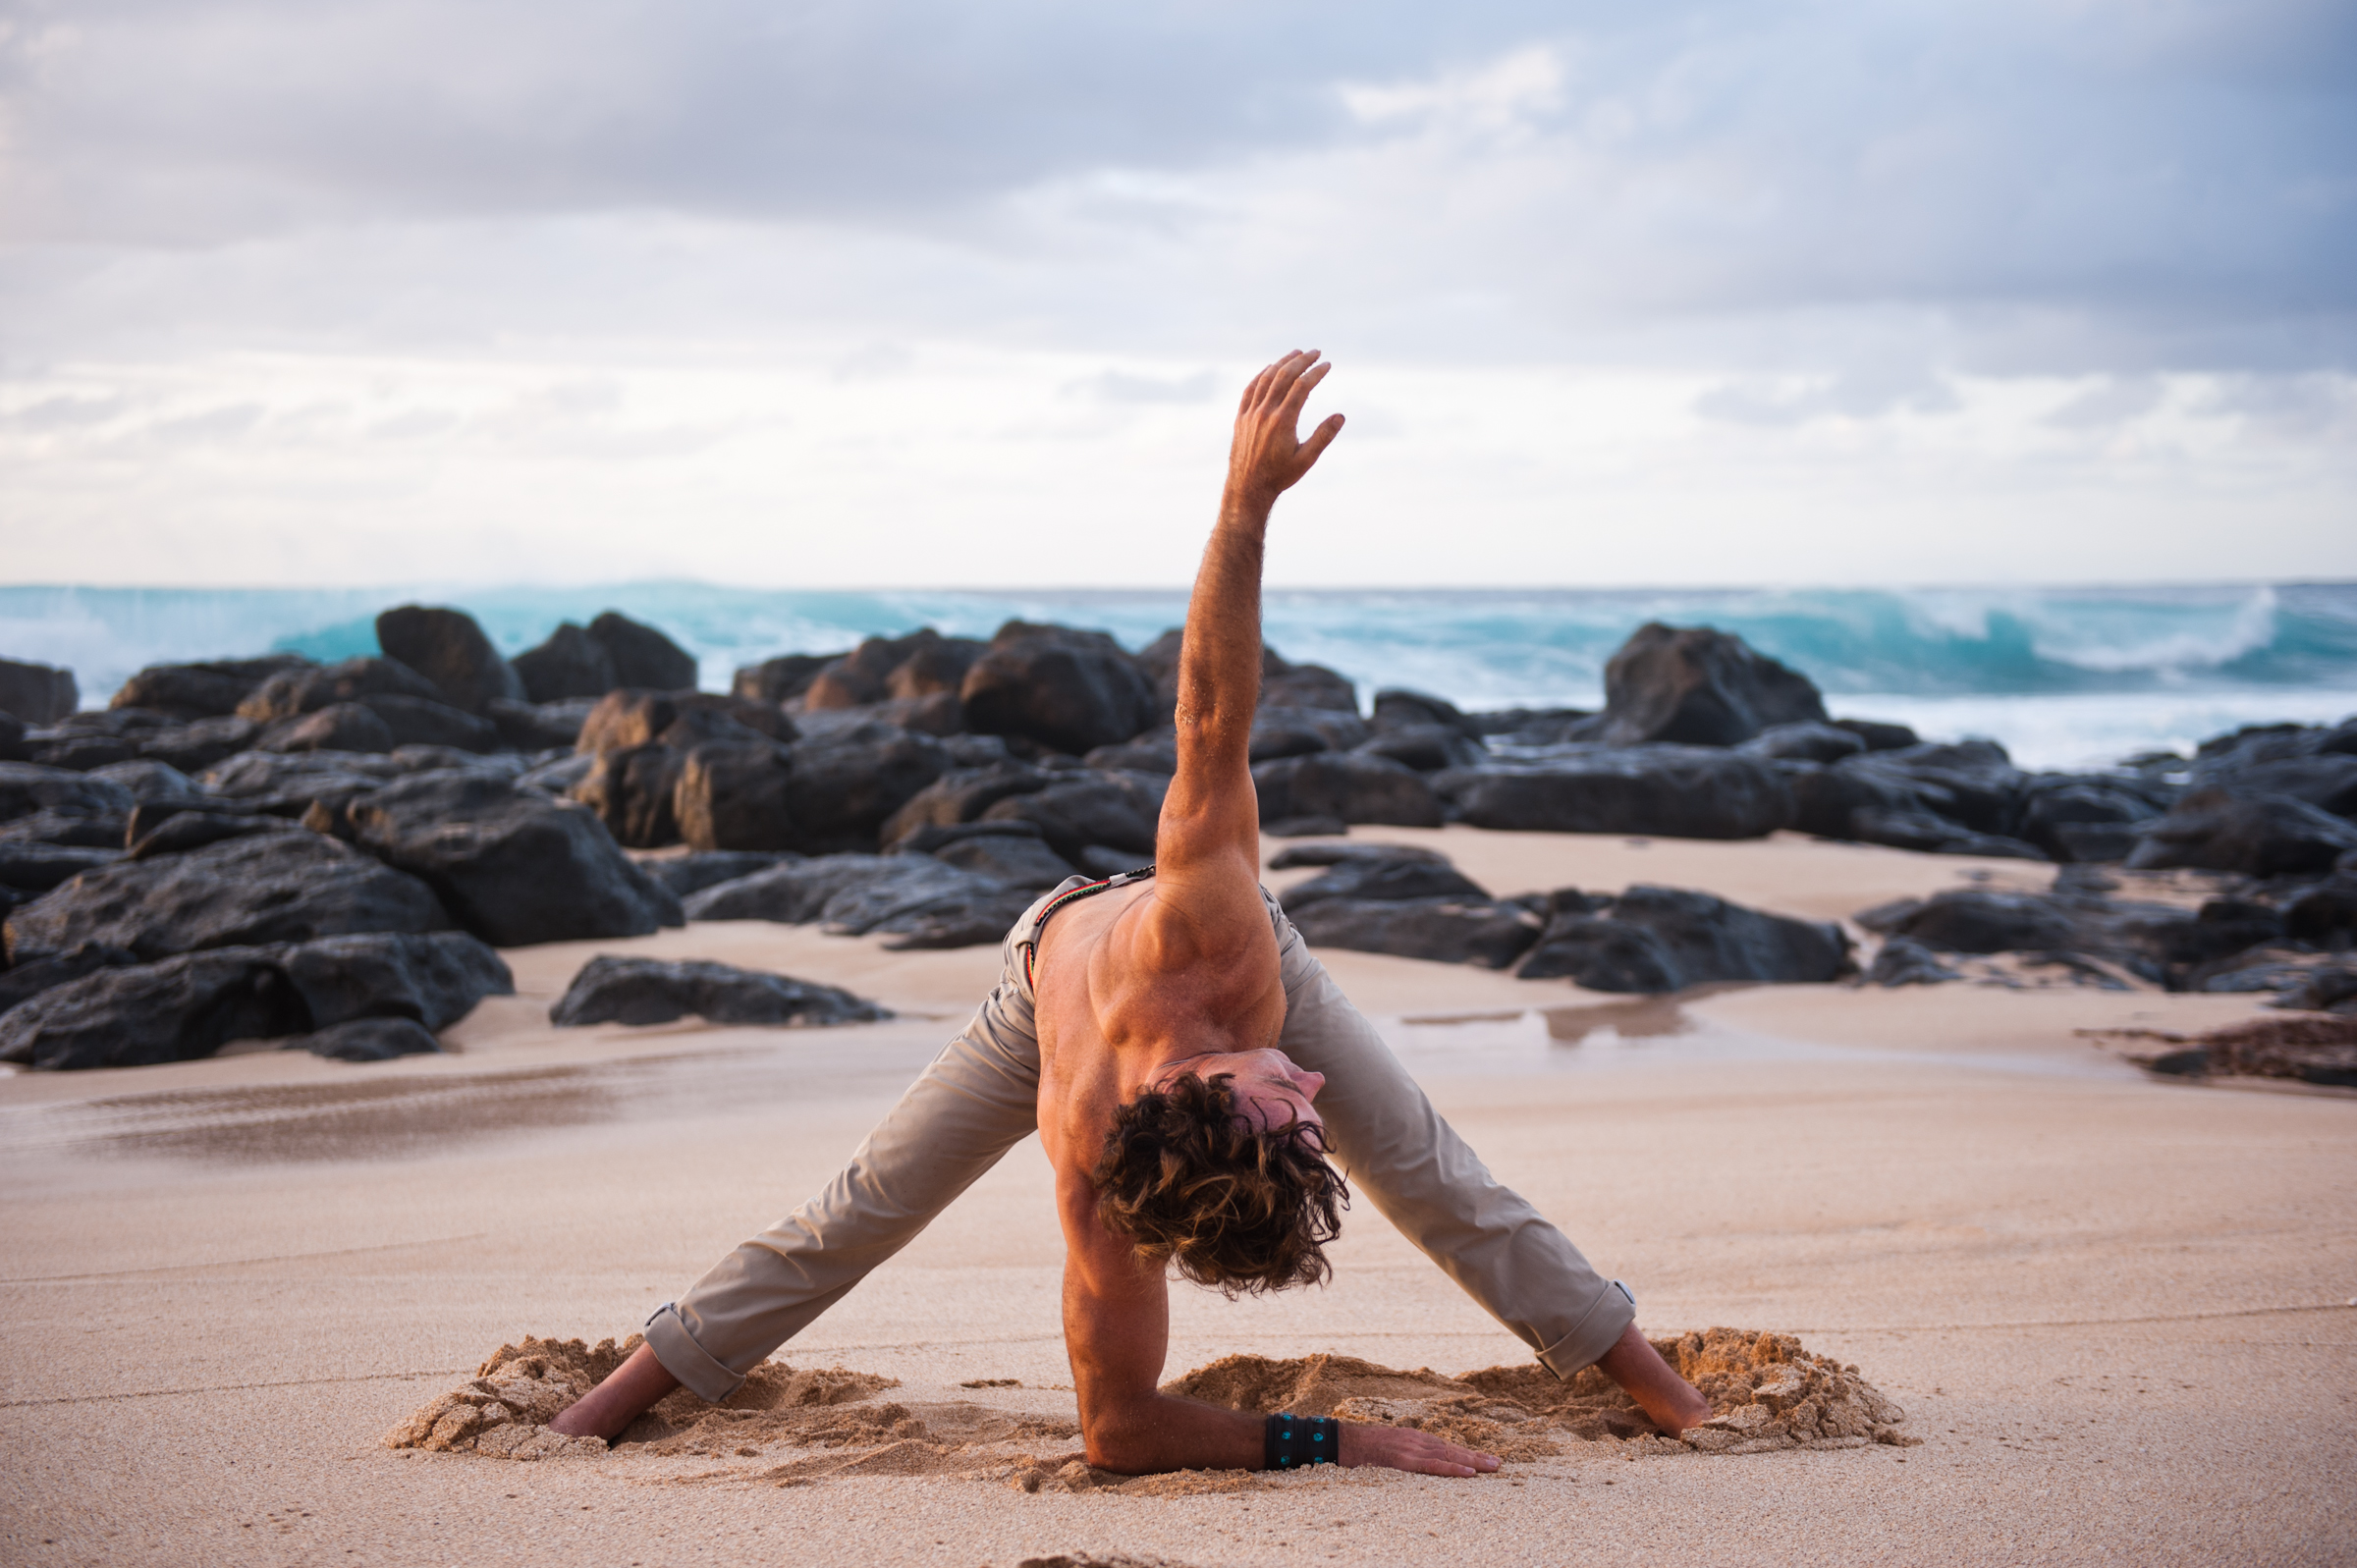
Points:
(1189, 1179)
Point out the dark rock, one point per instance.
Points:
(1879, 736)
(1349, 787)
(1388, 880)
(691, 874)
(1972, 782)
(1072, 690)
(448, 649)
(910, 886)
(570, 664)
(12, 739)
(39, 867)
(1903, 962)
(368, 1040)
(926, 839)
(178, 1009)
(1282, 683)
(978, 751)
(847, 784)
(641, 655)
(64, 827)
(537, 726)
(1311, 826)
(972, 921)
(208, 690)
(152, 783)
(793, 892)
(2090, 818)
(1427, 748)
(27, 981)
(1396, 708)
(922, 664)
(424, 722)
(1099, 861)
(27, 787)
(309, 688)
(777, 681)
(1668, 938)
(1672, 792)
(1475, 931)
(151, 832)
(1805, 742)
(634, 717)
(649, 991)
(1344, 853)
(1926, 834)
(631, 792)
(962, 794)
(85, 753)
(340, 727)
(1972, 920)
(2326, 781)
(556, 778)
(2331, 989)
(1145, 755)
(1697, 686)
(435, 978)
(2325, 913)
(1009, 859)
(1114, 810)
(734, 797)
(195, 746)
(512, 866)
(271, 888)
(36, 693)
(287, 784)
(2263, 835)
(1297, 732)
(1535, 728)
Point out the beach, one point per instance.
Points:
(2116, 1309)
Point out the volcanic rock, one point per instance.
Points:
(1351, 787)
(1697, 686)
(1653, 938)
(1673, 792)
(1474, 930)
(1067, 689)
(38, 694)
(2262, 835)
(641, 656)
(649, 991)
(448, 649)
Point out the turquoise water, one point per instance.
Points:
(2065, 676)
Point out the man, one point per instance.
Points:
(1189, 1066)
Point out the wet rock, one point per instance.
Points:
(289, 785)
(1148, 754)
(1345, 786)
(632, 792)
(434, 979)
(1805, 742)
(34, 867)
(922, 664)
(641, 655)
(2326, 988)
(961, 796)
(902, 887)
(1302, 827)
(538, 725)
(27, 981)
(1298, 731)
(1427, 748)
(1396, 709)
(793, 892)
(368, 1040)
(779, 681)
(1345, 851)
(195, 746)
(27, 787)
(513, 866)
(1539, 729)
(152, 783)
(558, 778)
(974, 920)
(1972, 782)
(12, 739)
(1653, 938)
(1697, 686)
(65, 828)
(2326, 914)
(1010, 860)
(339, 727)
(633, 716)
(1671, 791)
(1972, 920)
(734, 797)
(570, 664)
(309, 688)
(2326, 781)
(845, 784)
(150, 833)
(1388, 879)
(648, 991)
(84, 752)
(1067, 689)
(1903, 962)
(207, 690)
(1114, 810)
(179, 1010)
(1929, 834)
(2262, 835)
(693, 874)
(38, 694)
(448, 649)
(1878, 735)
(2086, 819)
(1446, 929)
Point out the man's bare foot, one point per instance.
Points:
(621, 1399)
(1673, 1403)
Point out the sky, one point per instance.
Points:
(904, 292)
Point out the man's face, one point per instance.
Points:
(1270, 1091)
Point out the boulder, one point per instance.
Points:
(1697, 686)
(974, 920)
(909, 886)
(2326, 781)
(368, 1040)
(779, 681)
(178, 1009)
(35, 867)
(556, 778)
(270, 887)
(1388, 879)
(1297, 732)
(538, 725)
(1804, 742)
(2262, 835)
(649, 991)
(12, 747)
(1157, 754)
(1538, 728)
(1974, 920)
(643, 656)
(66, 828)
(570, 664)
(38, 694)
(1066, 689)
(27, 981)
(1396, 709)
(424, 722)
(289, 785)
(512, 866)
(1427, 748)
(1903, 962)
(1929, 834)
(448, 649)
(197, 745)
(1877, 736)
(2077, 818)
(1653, 938)
(1349, 787)
(962, 794)
(1475, 931)
(339, 727)
(435, 978)
(632, 791)
(207, 690)
(1282, 683)
(1673, 792)
(734, 797)
(151, 831)
(151, 783)
(632, 716)
(922, 664)
(693, 874)
(847, 783)
(1012, 860)
(27, 787)
(1112, 810)
(793, 892)
(85, 752)
(2326, 914)
(308, 688)
(1343, 851)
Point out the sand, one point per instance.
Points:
(2113, 1305)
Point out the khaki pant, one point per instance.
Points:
(979, 1099)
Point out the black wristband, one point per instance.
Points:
(1288, 1442)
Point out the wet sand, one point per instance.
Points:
(2115, 1309)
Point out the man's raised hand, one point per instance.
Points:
(1269, 456)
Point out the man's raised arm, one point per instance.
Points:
(1211, 814)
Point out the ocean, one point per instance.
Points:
(2064, 678)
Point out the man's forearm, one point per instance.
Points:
(1220, 656)
(1161, 1432)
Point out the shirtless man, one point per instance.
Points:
(1171, 1039)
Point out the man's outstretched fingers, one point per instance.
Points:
(1321, 438)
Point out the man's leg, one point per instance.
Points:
(1425, 1179)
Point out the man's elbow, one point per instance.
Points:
(1122, 1443)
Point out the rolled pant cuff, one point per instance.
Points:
(1584, 1346)
(674, 1346)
